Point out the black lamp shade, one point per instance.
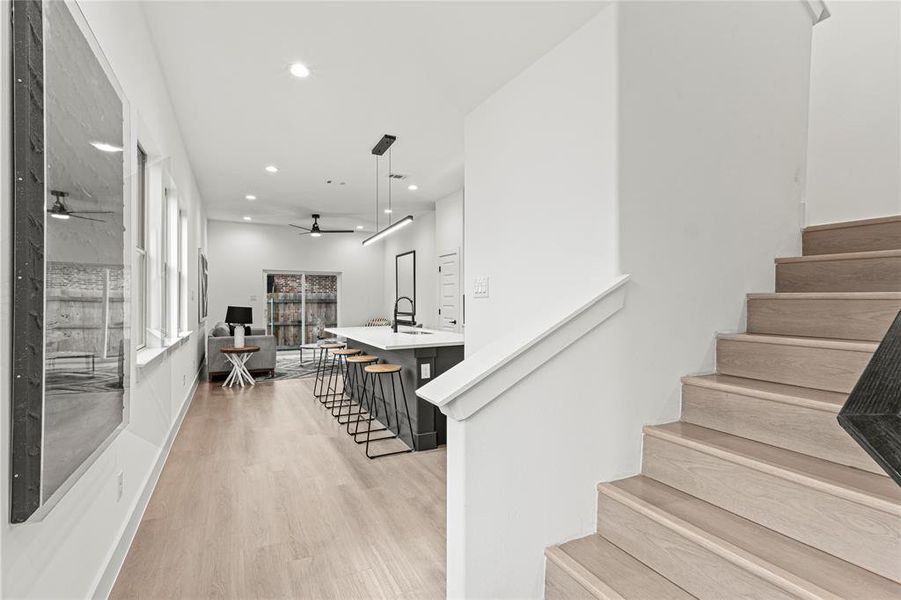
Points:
(240, 315)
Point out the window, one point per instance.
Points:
(170, 264)
(140, 271)
(182, 272)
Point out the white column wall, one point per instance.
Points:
(75, 551)
(688, 143)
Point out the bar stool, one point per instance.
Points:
(318, 383)
(339, 368)
(357, 379)
(378, 373)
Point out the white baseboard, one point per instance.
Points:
(105, 584)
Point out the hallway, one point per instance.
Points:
(264, 496)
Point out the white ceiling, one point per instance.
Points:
(411, 69)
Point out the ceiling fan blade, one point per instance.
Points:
(336, 231)
(91, 212)
(307, 229)
(74, 216)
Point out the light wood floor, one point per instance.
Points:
(264, 497)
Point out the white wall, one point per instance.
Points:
(854, 164)
(711, 143)
(540, 166)
(240, 252)
(66, 555)
(418, 236)
(540, 206)
(449, 223)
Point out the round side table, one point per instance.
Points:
(238, 357)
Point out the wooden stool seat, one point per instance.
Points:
(365, 358)
(331, 346)
(383, 368)
(346, 352)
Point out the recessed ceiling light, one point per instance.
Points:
(412, 187)
(248, 219)
(250, 197)
(299, 70)
(387, 211)
(272, 169)
(359, 227)
(104, 147)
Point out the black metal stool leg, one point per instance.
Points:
(396, 435)
(340, 402)
(372, 412)
(328, 388)
(353, 378)
(317, 383)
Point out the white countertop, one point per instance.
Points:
(385, 339)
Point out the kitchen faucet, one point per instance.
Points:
(411, 322)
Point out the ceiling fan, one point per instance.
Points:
(314, 231)
(59, 210)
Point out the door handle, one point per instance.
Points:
(454, 322)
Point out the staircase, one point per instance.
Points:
(758, 492)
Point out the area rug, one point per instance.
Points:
(289, 366)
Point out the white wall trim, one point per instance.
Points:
(818, 10)
(482, 377)
(107, 579)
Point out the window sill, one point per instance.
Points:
(148, 356)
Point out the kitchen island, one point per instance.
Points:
(423, 354)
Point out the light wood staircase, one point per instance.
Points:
(758, 492)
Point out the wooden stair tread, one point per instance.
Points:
(610, 573)
(862, 487)
(808, 342)
(827, 295)
(858, 223)
(786, 562)
(870, 254)
(768, 390)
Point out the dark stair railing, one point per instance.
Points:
(872, 414)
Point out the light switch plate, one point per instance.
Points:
(481, 288)
(425, 371)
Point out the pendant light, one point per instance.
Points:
(384, 145)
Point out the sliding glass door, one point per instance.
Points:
(299, 306)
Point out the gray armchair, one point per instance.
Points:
(259, 362)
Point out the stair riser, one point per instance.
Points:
(819, 368)
(559, 585)
(797, 428)
(821, 318)
(856, 275)
(858, 534)
(697, 570)
(860, 238)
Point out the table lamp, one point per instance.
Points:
(237, 318)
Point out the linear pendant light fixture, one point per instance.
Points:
(388, 230)
(378, 150)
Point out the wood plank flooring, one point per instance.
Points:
(263, 496)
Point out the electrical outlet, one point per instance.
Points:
(425, 371)
(481, 288)
(120, 485)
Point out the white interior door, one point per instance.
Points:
(449, 291)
